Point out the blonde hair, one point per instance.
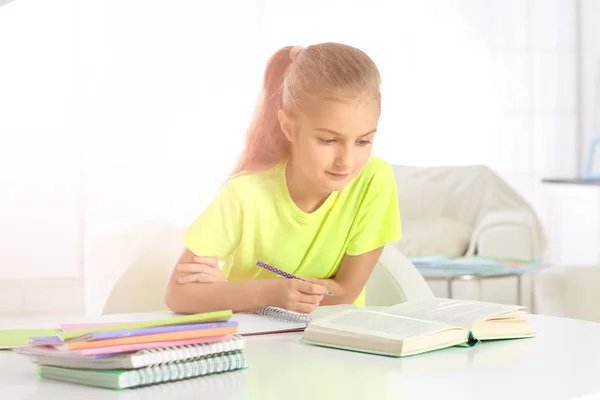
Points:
(293, 77)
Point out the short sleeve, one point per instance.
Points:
(217, 231)
(378, 219)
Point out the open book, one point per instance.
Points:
(416, 327)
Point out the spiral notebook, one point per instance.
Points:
(143, 358)
(270, 320)
(132, 378)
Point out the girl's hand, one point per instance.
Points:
(296, 295)
(202, 270)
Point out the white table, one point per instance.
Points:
(563, 362)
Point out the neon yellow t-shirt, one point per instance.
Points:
(254, 218)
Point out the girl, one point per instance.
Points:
(306, 195)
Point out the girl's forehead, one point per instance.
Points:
(346, 116)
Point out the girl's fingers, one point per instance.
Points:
(309, 288)
(189, 278)
(206, 278)
(310, 298)
(193, 268)
(201, 277)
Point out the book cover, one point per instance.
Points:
(216, 316)
(107, 351)
(54, 340)
(197, 333)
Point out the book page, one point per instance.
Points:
(373, 323)
(327, 311)
(455, 312)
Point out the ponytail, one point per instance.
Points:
(266, 143)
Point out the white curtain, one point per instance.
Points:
(41, 198)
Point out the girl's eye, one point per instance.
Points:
(327, 141)
(363, 142)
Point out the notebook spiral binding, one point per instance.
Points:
(283, 315)
(232, 382)
(191, 352)
(214, 364)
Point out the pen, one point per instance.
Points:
(284, 274)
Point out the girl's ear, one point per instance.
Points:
(286, 124)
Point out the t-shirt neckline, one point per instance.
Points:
(323, 208)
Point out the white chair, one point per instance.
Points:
(142, 285)
(395, 280)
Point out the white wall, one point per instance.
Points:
(590, 73)
(41, 196)
(118, 114)
(573, 211)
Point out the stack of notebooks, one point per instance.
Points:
(121, 356)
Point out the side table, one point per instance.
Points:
(451, 275)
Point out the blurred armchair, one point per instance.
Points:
(464, 211)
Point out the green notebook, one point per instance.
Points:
(215, 316)
(416, 327)
(125, 379)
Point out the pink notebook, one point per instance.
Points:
(112, 350)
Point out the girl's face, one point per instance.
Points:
(332, 141)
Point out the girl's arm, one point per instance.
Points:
(350, 278)
(194, 297)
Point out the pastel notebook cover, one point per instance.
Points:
(46, 340)
(216, 316)
(91, 325)
(12, 338)
(123, 379)
(147, 358)
(53, 340)
(160, 337)
(114, 350)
